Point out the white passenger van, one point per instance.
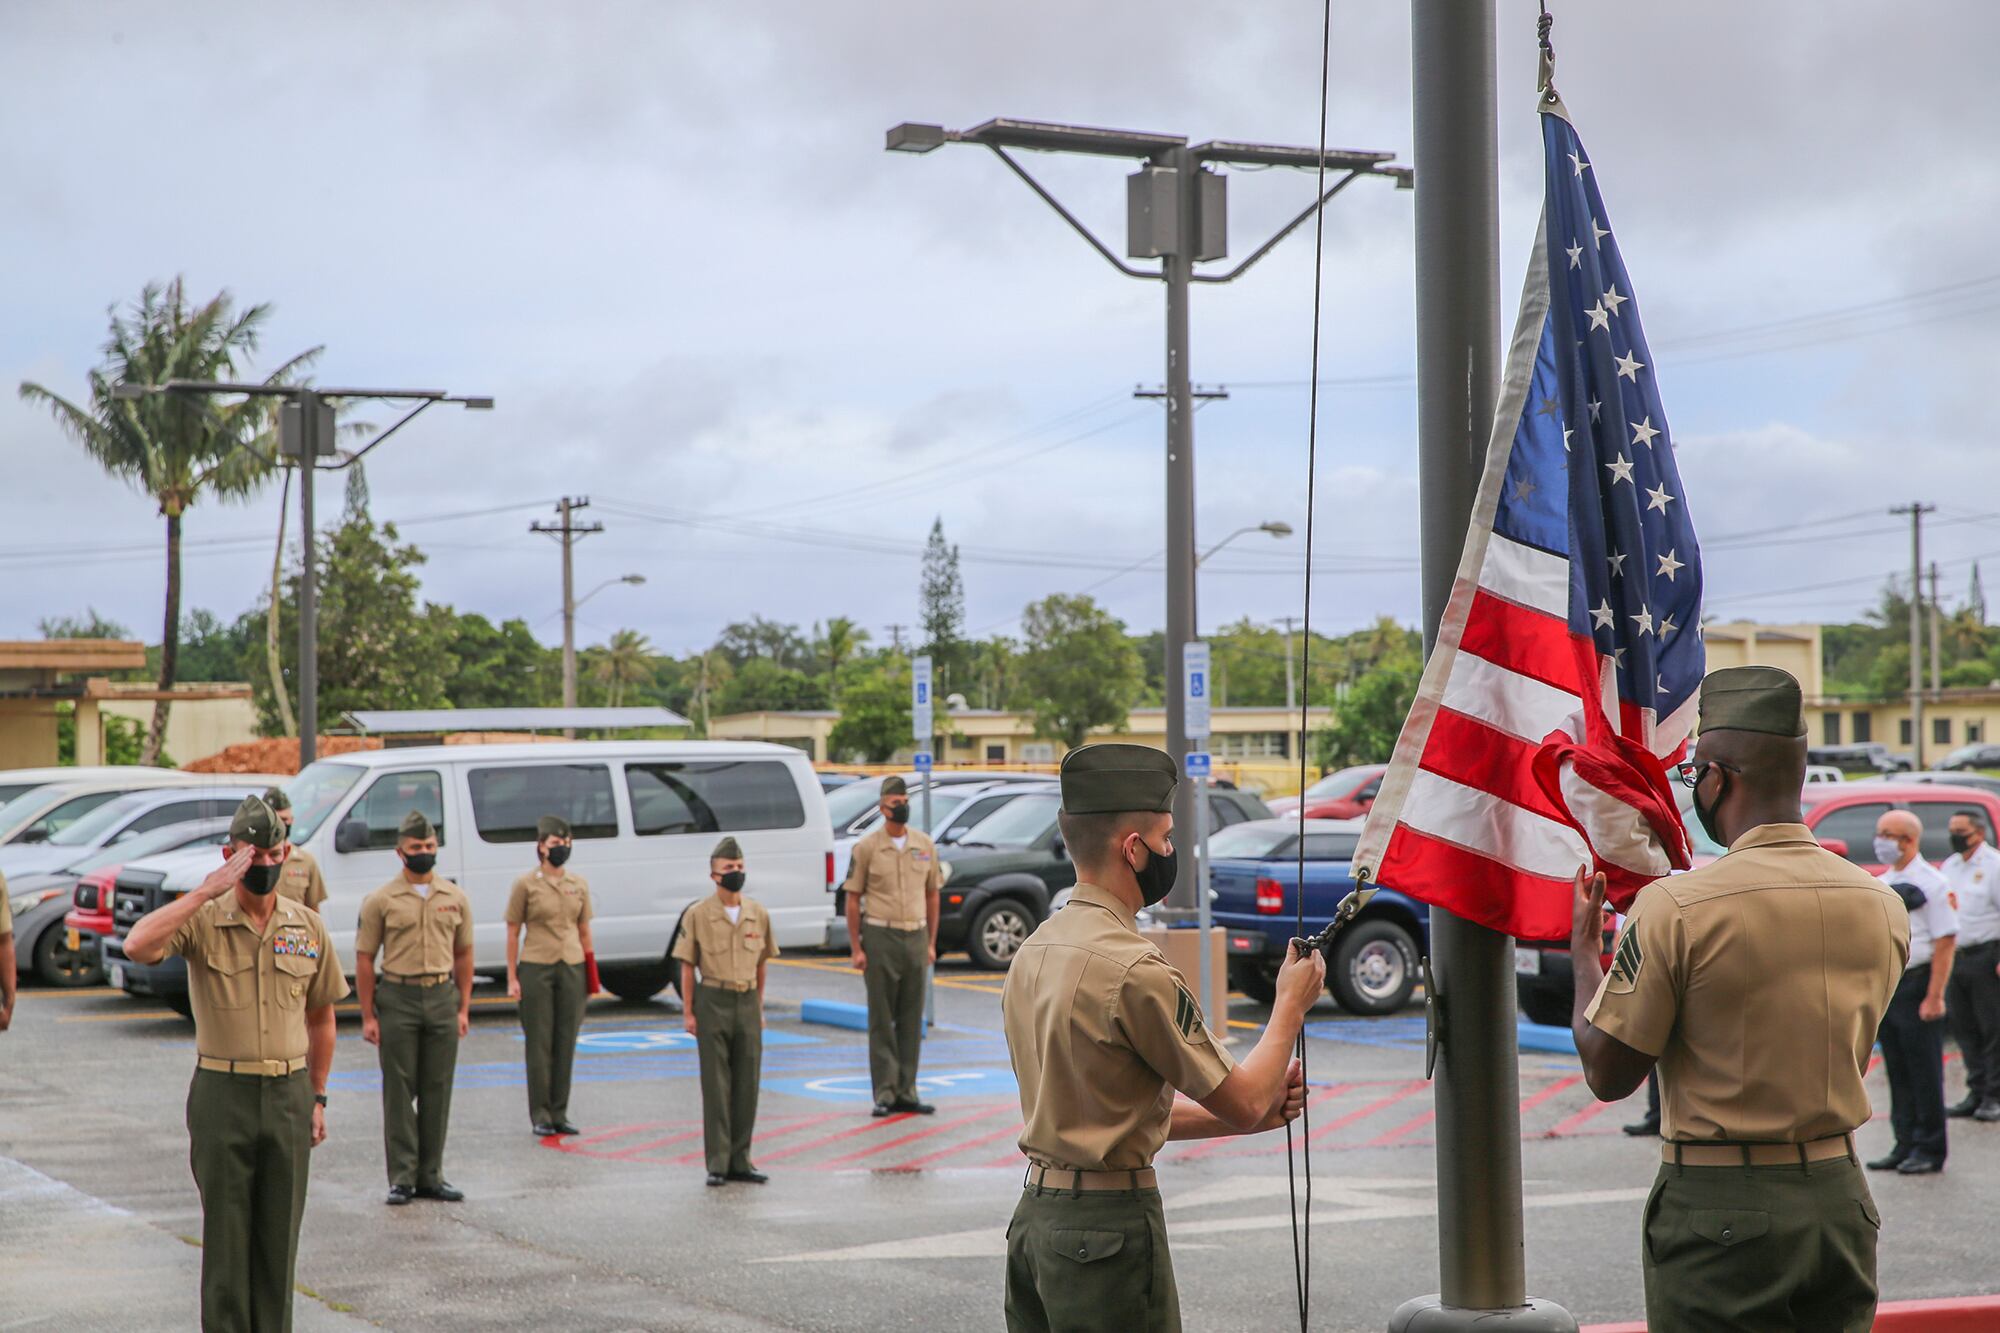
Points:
(645, 815)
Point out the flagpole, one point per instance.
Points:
(1481, 1258)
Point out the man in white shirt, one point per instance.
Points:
(1912, 1032)
(1973, 995)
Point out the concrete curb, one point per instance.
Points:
(1945, 1314)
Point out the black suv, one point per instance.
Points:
(1002, 873)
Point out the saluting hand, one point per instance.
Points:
(1586, 920)
(226, 876)
(319, 1125)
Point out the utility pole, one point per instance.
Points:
(1291, 677)
(1176, 213)
(1937, 657)
(569, 532)
(896, 637)
(1482, 1262)
(1916, 510)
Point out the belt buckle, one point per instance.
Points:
(275, 1068)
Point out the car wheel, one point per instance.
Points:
(636, 984)
(1373, 969)
(1256, 980)
(998, 932)
(56, 964)
(1544, 1005)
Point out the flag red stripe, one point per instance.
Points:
(1476, 887)
(1534, 644)
(1469, 752)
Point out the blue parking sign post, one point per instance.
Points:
(921, 761)
(1195, 680)
(921, 730)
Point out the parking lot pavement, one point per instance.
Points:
(895, 1223)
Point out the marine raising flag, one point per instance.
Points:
(1563, 680)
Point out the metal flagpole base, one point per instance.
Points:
(1429, 1314)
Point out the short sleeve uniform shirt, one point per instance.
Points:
(1931, 920)
(1974, 877)
(893, 881)
(300, 879)
(724, 950)
(549, 913)
(419, 934)
(251, 991)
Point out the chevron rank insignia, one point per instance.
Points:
(1187, 1014)
(1625, 963)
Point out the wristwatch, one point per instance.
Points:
(319, 1099)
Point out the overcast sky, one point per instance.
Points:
(666, 238)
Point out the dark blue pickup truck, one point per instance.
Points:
(1373, 964)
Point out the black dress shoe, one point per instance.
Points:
(748, 1177)
(1644, 1129)
(914, 1108)
(1988, 1112)
(565, 1127)
(715, 1181)
(443, 1191)
(399, 1195)
(1893, 1162)
(1964, 1107)
(546, 1131)
(1920, 1166)
(881, 1110)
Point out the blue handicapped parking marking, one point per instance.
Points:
(944, 1085)
(663, 1039)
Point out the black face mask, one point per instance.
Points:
(558, 854)
(420, 863)
(1706, 818)
(1961, 843)
(899, 813)
(1156, 877)
(260, 880)
(732, 880)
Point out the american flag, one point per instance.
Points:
(1564, 676)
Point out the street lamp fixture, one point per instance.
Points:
(1276, 527)
(634, 579)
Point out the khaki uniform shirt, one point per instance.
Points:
(725, 950)
(300, 880)
(892, 883)
(419, 934)
(251, 991)
(1101, 1030)
(550, 913)
(1759, 981)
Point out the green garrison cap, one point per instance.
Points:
(551, 826)
(895, 786)
(275, 798)
(726, 850)
(1752, 698)
(256, 824)
(416, 825)
(1113, 778)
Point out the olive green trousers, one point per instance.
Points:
(419, 1054)
(250, 1145)
(897, 962)
(552, 1000)
(1089, 1262)
(1736, 1249)
(729, 1036)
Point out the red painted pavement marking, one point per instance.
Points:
(570, 1143)
(1409, 1089)
(805, 1123)
(915, 1163)
(864, 1127)
(938, 1128)
(1560, 1085)
(1410, 1126)
(632, 1154)
(1588, 1113)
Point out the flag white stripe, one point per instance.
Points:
(1618, 832)
(1493, 827)
(1506, 700)
(1526, 576)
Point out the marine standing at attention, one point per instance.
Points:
(726, 937)
(546, 972)
(300, 880)
(1101, 1031)
(1756, 983)
(415, 1014)
(262, 977)
(892, 924)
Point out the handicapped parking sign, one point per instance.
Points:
(941, 1086)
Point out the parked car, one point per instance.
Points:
(645, 815)
(47, 808)
(57, 950)
(1004, 875)
(20, 781)
(1372, 965)
(126, 816)
(1824, 773)
(854, 805)
(830, 781)
(1866, 757)
(1347, 794)
(1964, 757)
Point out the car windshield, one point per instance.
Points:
(846, 804)
(1251, 842)
(9, 790)
(1016, 824)
(99, 824)
(1334, 784)
(315, 792)
(145, 844)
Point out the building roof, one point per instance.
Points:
(429, 720)
(72, 655)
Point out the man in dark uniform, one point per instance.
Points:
(1756, 983)
(262, 976)
(1102, 1030)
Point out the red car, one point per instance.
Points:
(1842, 815)
(1347, 794)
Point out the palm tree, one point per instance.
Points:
(838, 645)
(626, 660)
(175, 447)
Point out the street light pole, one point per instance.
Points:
(1176, 212)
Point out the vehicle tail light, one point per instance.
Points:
(1270, 897)
(85, 897)
(829, 872)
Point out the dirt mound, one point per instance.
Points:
(278, 754)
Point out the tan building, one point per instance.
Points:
(39, 677)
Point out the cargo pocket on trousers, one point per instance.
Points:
(1728, 1226)
(1869, 1211)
